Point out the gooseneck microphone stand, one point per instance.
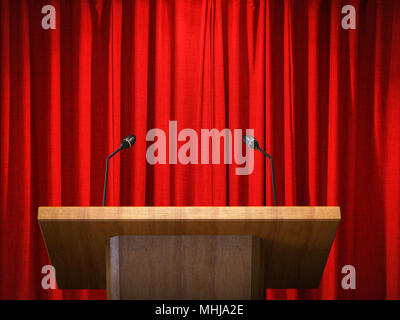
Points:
(126, 143)
(252, 143)
(272, 171)
(106, 178)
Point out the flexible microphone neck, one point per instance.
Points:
(263, 151)
(125, 144)
(272, 173)
(252, 143)
(106, 178)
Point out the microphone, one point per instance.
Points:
(126, 143)
(252, 143)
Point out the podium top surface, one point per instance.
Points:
(189, 213)
(297, 239)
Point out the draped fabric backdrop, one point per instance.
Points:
(322, 100)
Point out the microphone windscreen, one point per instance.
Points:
(128, 142)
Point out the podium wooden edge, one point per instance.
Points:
(190, 213)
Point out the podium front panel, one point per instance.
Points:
(296, 240)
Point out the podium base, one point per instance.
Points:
(184, 267)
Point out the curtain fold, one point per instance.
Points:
(323, 101)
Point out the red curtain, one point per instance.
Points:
(323, 101)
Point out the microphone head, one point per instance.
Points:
(128, 142)
(251, 142)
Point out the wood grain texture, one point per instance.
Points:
(296, 240)
(185, 267)
(187, 213)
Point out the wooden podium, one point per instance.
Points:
(188, 252)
